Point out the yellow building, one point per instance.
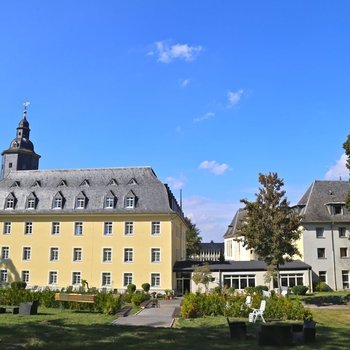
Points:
(110, 227)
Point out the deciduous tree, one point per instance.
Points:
(271, 226)
(193, 238)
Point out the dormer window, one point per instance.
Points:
(109, 200)
(10, 201)
(85, 183)
(58, 201)
(62, 183)
(31, 201)
(16, 184)
(81, 200)
(130, 200)
(337, 209)
(112, 182)
(36, 184)
(132, 182)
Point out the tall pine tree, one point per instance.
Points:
(271, 226)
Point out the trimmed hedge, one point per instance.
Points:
(214, 304)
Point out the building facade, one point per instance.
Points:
(110, 227)
(209, 252)
(324, 243)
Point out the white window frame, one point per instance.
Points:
(109, 202)
(107, 255)
(5, 252)
(25, 274)
(106, 279)
(55, 228)
(155, 255)
(155, 228)
(155, 280)
(53, 277)
(130, 202)
(26, 253)
(31, 203)
(10, 203)
(77, 254)
(242, 278)
(128, 278)
(4, 275)
(129, 228)
(76, 278)
(28, 228)
(128, 255)
(80, 203)
(292, 279)
(57, 203)
(7, 228)
(108, 228)
(54, 254)
(78, 228)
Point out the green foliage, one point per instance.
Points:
(270, 226)
(299, 290)
(138, 298)
(108, 303)
(260, 288)
(215, 304)
(131, 288)
(146, 287)
(18, 285)
(322, 287)
(201, 275)
(193, 238)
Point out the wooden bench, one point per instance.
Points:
(77, 298)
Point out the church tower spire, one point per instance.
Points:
(20, 155)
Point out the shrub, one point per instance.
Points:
(18, 285)
(323, 287)
(146, 287)
(108, 303)
(299, 290)
(260, 288)
(131, 288)
(138, 298)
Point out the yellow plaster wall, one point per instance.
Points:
(92, 243)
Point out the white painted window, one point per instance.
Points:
(77, 254)
(155, 228)
(108, 228)
(155, 280)
(54, 254)
(28, 230)
(107, 255)
(128, 255)
(129, 228)
(155, 255)
(106, 279)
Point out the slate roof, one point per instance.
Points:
(237, 219)
(241, 266)
(211, 246)
(315, 203)
(152, 195)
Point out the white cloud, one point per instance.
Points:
(234, 97)
(214, 167)
(338, 170)
(206, 116)
(176, 183)
(167, 53)
(211, 217)
(185, 82)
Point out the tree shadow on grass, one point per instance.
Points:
(58, 334)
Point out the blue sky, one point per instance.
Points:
(209, 93)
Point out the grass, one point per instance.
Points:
(65, 329)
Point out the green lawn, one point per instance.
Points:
(64, 329)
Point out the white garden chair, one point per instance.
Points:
(253, 316)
